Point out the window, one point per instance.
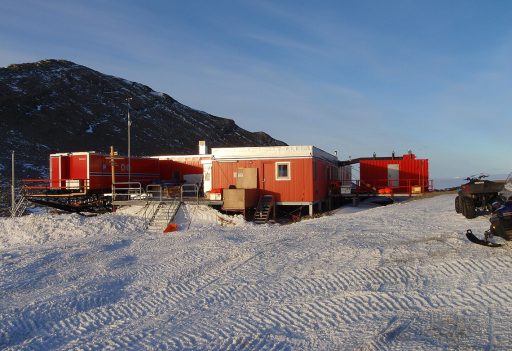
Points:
(283, 171)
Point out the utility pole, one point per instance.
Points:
(13, 195)
(112, 158)
(112, 168)
(129, 141)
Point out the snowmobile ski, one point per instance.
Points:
(472, 237)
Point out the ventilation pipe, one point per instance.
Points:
(203, 150)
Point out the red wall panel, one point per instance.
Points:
(55, 172)
(74, 167)
(300, 188)
(412, 172)
(175, 169)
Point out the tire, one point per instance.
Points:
(457, 204)
(469, 208)
(462, 205)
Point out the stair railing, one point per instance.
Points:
(187, 189)
(126, 190)
(19, 207)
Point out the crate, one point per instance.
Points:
(240, 199)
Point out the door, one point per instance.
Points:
(207, 176)
(55, 172)
(393, 175)
(267, 176)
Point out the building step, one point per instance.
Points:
(264, 209)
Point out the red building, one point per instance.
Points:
(294, 175)
(393, 175)
(91, 171)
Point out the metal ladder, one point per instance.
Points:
(163, 215)
(265, 207)
(19, 207)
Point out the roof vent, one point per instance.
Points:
(202, 147)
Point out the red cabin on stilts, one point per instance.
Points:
(293, 175)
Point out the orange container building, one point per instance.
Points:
(393, 175)
(294, 175)
(91, 171)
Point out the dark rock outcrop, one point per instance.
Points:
(59, 106)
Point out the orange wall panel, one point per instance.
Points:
(412, 172)
(301, 187)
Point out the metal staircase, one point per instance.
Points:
(20, 206)
(265, 207)
(163, 215)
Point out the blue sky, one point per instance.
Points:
(354, 76)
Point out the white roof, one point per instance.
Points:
(175, 157)
(271, 152)
(72, 153)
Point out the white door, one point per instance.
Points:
(393, 175)
(207, 176)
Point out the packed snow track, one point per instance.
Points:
(399, 277)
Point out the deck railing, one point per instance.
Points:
(190, 191)
(390, 187)
(47, 186)
(124, 191)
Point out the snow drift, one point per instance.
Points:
(398, 277)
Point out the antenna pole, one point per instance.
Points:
(13, 198)
(112, 170)
(129, 142)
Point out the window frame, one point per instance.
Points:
(289, 170)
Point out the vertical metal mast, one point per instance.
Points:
(13, 199)
(129, 141)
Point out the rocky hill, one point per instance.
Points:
(59, 106)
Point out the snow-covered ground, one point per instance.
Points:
(399, 277)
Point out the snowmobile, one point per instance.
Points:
(501, 218)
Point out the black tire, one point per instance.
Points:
(457, 204)
(462, 204)
(469, 208)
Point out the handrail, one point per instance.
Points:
(154, 189)
(51, 187)
(127, 191)
(171, 211)
(19, 208)
(395, 186)
(153, 208)
(63, 183)
(194, 189)
(150, 214)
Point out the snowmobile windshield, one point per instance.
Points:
(507, 189)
